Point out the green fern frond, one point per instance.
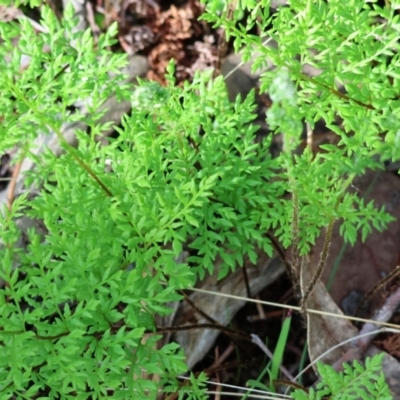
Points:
(354, 382)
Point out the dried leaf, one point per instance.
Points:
(324, 332)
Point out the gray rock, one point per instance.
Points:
(239, 77)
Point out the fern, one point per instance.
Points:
(78, 307)
(355, 382)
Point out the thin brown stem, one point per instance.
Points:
(295, 255)
(197, 309)
(327, 244)
(13, 184)
(222, 41)
(321, 264)
(229, 331)
(382, 283)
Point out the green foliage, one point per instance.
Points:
(353, 47)
(280, 348)
(355, 382)
(78, 306)
(272, 367)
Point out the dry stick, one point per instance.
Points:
(229, 365)
(203, 313)
(229, 331)
(217, 379)
(218, 361)
(12, 185)
(287, 306)
(260, 309)
(378, 287)
(280, 252)
(234, 334)
(91, 19)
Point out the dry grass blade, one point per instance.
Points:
(253, 396)
(255, 393)
(308, 310)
